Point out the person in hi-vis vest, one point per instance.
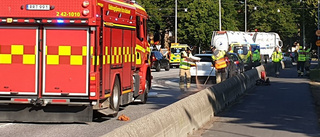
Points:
(220, 64)
(185, 68)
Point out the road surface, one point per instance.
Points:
(165, 91)
(284, 109)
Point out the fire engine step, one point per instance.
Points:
(49, 113)
(107, 112)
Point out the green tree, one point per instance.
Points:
(195, 27)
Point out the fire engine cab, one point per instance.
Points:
(62, 60)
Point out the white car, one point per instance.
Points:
(203, 69)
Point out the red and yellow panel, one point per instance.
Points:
(18, 60)
(66, 62)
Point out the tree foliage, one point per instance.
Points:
(195, 27)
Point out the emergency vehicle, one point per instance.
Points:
(62, 60)
(234, 41)
(175, 55)
(267, 41)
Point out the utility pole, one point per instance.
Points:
(220, 15)
(303, 27)
(318, 36)
(176, 23)
(245, 15)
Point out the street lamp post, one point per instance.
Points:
(303, 26)
(318, 37)
(245, 16)
(176, 22)
(220, 15)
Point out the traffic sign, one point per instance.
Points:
(318, 43)
(318, 33)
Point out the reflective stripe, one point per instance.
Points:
(5, 59)
(29, 59)
(119, 25)
(220, 63)
(138, 60)
(301, 55)
(53, 59)
(65, 50)
(18, 54)
(184, 64)
(138, 47)
(220, 55)
(67, 55)
(100, 4)
(17, 50)
(76, 60)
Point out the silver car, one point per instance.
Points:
(203, 69)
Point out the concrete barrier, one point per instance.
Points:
(187, 115)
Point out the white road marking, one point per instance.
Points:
(4, 125)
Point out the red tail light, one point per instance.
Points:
(94, 85)
(222, 32)
(154, 58)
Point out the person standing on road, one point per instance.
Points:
(185, 68)
(301, 61)
(308, 61)
(249, 58)
(256, 57)
(276, 59)
(220, 64)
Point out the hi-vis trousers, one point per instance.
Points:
(185, 73)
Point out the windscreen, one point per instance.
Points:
(205, 58)
(176, 50)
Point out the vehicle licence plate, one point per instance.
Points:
(38, 7)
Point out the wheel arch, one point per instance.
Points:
(116, 75)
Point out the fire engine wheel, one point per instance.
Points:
(115, 97)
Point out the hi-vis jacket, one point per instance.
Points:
(256, 55)
(219, 59)
(276, 56)
(184, 64)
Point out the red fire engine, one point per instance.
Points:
(62, 60)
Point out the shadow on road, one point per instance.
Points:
(284, 107)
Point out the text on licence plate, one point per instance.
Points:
(38, 7)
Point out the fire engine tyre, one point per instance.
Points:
(115, 97)
(158, 67)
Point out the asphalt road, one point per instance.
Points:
(284, 109)
(165, 91)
